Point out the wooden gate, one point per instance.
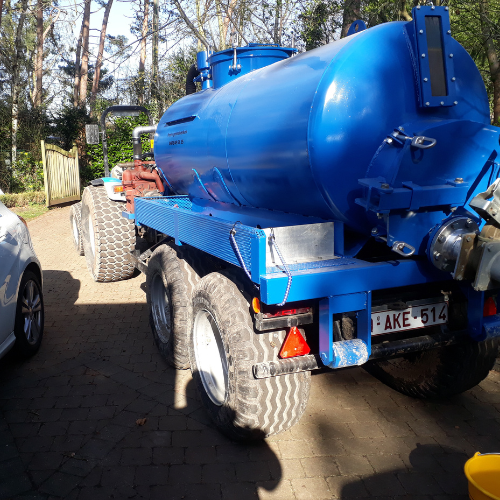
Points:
(61, 174)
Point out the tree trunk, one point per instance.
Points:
(37, 97)
(15, 85)
(1, 10)
(154, 65)
(85, 55)
(142, 60)
(76, 83)
(492, 57)
(352, 12)
(97, 73)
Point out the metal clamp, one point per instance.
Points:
(399, 247)
(422, 142)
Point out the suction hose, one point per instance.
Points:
(191, 75)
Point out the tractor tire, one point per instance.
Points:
(223, 348)
(107, 236)
(438, 373)
(170, 281)
(75, 220)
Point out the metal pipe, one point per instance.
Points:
(416, 344)
(136, 139)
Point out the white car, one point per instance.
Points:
(21, 298)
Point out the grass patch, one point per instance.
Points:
(30, 212)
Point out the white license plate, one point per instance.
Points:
(416, 316)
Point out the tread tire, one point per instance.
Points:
(22, 346)
(179, 269)
(114, 236)
(75, 220)
(253, 408)
(438, 373)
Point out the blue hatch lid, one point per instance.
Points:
(253, 56)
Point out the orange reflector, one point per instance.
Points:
(118, 189)
(294, 344)
(490, 308)
(256, 305)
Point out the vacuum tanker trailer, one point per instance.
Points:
(334, 208)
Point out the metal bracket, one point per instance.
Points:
(488, 209)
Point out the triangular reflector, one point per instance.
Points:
(490, 308)
(294, 344)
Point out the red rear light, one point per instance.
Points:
(287, 312)
(23, 221)
(294, 344)
(490, 307)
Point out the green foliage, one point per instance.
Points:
(27, 174)
(23, 199)
(318, 22)
(120, 149)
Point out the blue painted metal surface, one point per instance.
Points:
(281, 137)
(253, 56)
(331, 135)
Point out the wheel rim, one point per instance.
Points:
(32, 312)
(76, 234)
(160, 307)
(91, 236)
(210, 357)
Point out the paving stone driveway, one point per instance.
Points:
(97, 414)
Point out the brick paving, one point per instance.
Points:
(97, 414)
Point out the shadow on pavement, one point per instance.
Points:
(97, 413)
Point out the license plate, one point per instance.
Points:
(417, 315)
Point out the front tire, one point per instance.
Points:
(438, 373)
(107, 236)
(75, 220)
(224, 346)
(29, 322)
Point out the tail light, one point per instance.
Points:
(287, 312)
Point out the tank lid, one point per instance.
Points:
(253, 56)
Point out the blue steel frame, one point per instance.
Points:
(354, 278)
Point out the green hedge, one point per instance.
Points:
(23, 199)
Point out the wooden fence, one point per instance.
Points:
(61, 174)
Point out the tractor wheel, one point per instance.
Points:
(75, 219)
(438, 373)
(224, 346)
(107, 236)
(172, 275)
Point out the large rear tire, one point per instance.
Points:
(107, 236)
(224, 346)
(75, 220)
(171, 277)
(438, 373)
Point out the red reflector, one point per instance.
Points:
(294, 344)
(287, 312)
(490, 308)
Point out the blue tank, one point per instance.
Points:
(310, 134)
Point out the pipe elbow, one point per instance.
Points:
(152, 176)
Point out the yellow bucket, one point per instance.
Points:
(483, 473)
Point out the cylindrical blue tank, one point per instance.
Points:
(297, 135)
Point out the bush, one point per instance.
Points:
(23, 199)
(25, 175)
